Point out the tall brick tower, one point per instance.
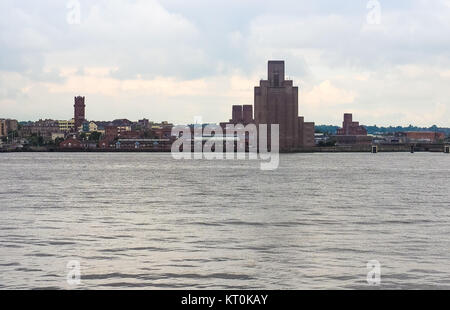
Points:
(276, 102)
(237, 114)
(247, 114)
(79, 115)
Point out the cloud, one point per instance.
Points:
(173, 59)
(327, 95)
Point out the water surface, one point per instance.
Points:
(143, 220)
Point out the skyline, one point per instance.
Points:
(173, 61)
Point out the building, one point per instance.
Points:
(122, 131)
(164, 132)
(101, 126)
(3, 128)
(7, 126)
(351, 128)
(88, 127)
(276, 102)
(122, 123)
(92, 127)
(57, 135)
(67, 126)
(113, 133)
(79, 112)
(420, 137)
(116, 131)
(44, 128)
(240, 115)
(237, 115)
(71, 143)
(143, 124)
(307, 132)
(352, 133)
(405, 137)
(353, 140)
(247, 114)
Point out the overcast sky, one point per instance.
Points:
(176, 59)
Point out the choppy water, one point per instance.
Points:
(147, 221)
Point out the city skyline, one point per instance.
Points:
(227, 152)
(174, 61)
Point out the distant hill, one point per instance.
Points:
(330, 129)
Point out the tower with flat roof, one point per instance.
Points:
(79, 112)
(276, 102)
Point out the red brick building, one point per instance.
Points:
(306, 133)
(351, 128)
(237, 115)
(276, 102)
(352, 133)
(79, 112)
(247, 114)
(43, 128)
(421, 136)
(71, 144)
(241, 114)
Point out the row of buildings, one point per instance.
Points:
(352, 133)
(275, 102)
(79, 133)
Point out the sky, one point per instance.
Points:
(387, 62)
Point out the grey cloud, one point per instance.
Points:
(202, 39)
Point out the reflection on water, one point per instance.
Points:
(147, 221)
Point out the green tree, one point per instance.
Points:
(58, 141)
(149, 134)
(95, 136)
(36, 140)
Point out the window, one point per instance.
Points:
(276, 79)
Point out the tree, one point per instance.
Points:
(95, 136)
(58, 141)
(149, 134)
(36, 140)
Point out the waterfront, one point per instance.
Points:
(143, 220)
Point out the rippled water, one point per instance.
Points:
(143, 220)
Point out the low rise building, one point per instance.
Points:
(43, 128)
(352, 140)
(351, 128)
(66, 126)
(71, 143)
(7, 126)
(420, 137)
(352, 133)
(93, 127)
(58, 135)
(3, 128)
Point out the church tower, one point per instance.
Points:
(79, 115)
